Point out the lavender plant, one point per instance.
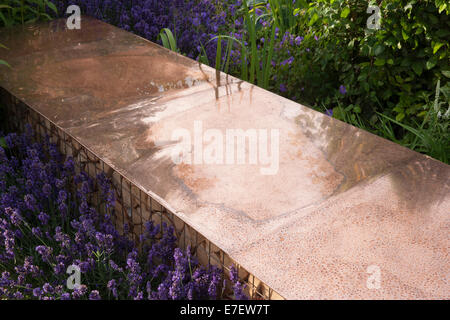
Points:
(48, 223)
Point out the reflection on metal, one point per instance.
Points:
(342, 200)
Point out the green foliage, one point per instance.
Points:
(3, 143)
(255, 66)
(3, 62)
(398, 65)
(14, 12)
(379, 80)
(259, 70)
(168, 39)
(432, 136)
(284, 13)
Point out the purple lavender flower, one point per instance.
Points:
(65, 296)
(15, 216)
(82, 237)
(36, 231)
(238, 289)
(94, 295)
(47, 288)
(112, 286)
(287, 61)
(298, 40)
(79, 292)
(45, 252)
(47, 190)
(37, 292)
(60, 183)
(30, 202)
(43, 218)
(196, 22)
(342, 89)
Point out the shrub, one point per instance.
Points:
(432, 136)
(392, 70)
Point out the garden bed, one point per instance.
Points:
(341, 201)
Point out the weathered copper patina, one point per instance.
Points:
(342, 199)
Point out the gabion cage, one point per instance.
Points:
(133, 206)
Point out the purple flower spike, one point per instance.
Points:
(95, 295)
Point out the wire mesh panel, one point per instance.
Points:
(133, 206)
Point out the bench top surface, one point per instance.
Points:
(338, 201)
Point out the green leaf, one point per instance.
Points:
(51, 6)
(431, 63)
(437, 46)
(398, 109)
(379, 48)
(218, 53)
(164, 41)
(417, 67)
(314, 18)
(446, 73)
(345, 12)
(168, 39)
(3, 62)
(379, 62)
(3, 143)
(405, 35)
(400, 116)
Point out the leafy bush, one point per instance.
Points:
(432, 136)
(392, 70)
(47, 223)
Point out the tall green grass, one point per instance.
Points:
(284, 12)
(168, 39)
(25, 11)
(255, 62)
(256, 57)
